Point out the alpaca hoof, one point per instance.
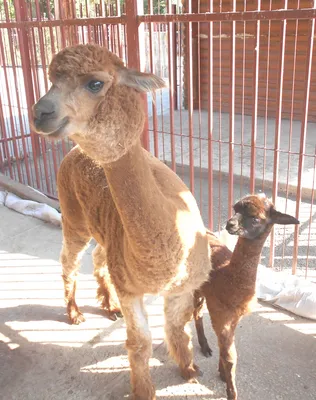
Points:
(119, 314)
(223, 377)
(231, 396)
(114, 315)
(206, 350)
(149, 394)
(191, 373)
(76, 318)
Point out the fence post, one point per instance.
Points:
(174, 50)
(133, 51)
(21, 15)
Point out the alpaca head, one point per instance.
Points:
(254, 215)
(94, 100)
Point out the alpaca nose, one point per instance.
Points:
(231, 224)
(43, 109)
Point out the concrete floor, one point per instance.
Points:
(43, 357)
(160, 145)
(290, 137)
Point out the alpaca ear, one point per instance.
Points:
(283, 219)
(140, 81)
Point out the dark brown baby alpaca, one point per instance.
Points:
(231, 285)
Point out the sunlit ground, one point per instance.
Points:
(34, 323)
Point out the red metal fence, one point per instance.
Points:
(238, 116)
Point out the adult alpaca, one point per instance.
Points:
(144, 217)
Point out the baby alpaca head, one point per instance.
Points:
(95, 100)
(253, 215)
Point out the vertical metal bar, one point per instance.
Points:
(210, 121)
(255, 85)
(278, 122)
(133, 53)
(11, 102)
(132, 34)
(232, 116)
(311, 215)
(190, 95)
(95, 27)
(151, 60)
(6, 139)
(291, 129)
(220, 125)
(174, 51)
(157, 29)
(43, 62)
(88, 16)
(102, 28)
(118, 27)
(26, 144)
(266, 101)
(243, 104)
(304, 121)
(61, 15)
(14, 60)
(181, 73)
(171, 88)
(21, 15)
(53, 146)
(197, 82)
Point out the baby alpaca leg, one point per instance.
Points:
(74, 246)
(178, 312)
(139, 347)
(228, 358)
(106, 292)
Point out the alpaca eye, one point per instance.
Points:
(255, 220)
(95, 86)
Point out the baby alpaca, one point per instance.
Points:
(231, 285)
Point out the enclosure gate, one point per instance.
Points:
(238, 115)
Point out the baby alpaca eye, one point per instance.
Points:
(95, 86)
(255, 220)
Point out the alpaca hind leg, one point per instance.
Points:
(198, 319)
(74, 246)
(139, 347)
(106, 292)
(178, 312)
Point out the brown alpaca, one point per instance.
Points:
(230, 289)
(134, 206)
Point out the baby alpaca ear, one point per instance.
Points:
(283, 219)
(140, 81)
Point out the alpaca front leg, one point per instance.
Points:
(198, 319)
(70, 257)
(139, 347)
(106, 292)
(228, 362)
(178, 312)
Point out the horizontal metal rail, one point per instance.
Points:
(277, 15)
(305, 13)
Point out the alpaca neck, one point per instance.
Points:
(146, 214)
(245, 260)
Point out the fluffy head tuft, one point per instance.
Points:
(81, 60)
